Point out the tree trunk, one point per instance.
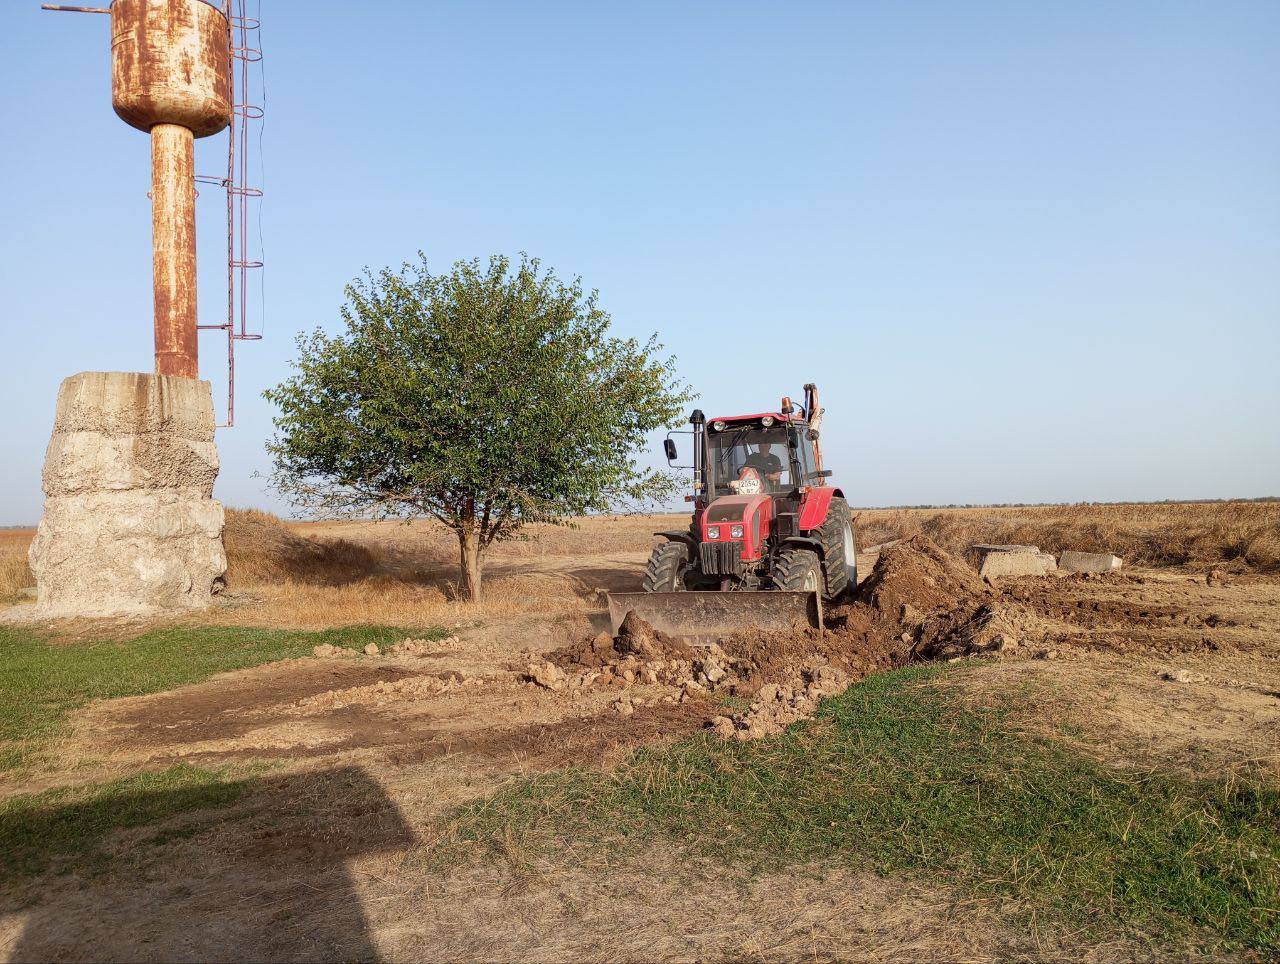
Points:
(469, 563)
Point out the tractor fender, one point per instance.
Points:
(814, 506)
(806, 542)
(683, 536)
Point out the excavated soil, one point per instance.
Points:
(587, 702)
(636, 638)
(918, 603)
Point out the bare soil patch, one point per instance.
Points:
(599, 740)
(1203, 717)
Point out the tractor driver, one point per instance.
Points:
(767, 464)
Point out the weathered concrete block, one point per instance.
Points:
(94, 462)
(135, 403)
(129, 524)
(1089, 562)
(1011, 560)
(106, 553)
(1017, 564)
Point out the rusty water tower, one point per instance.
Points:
(174, 67)
(171, 76)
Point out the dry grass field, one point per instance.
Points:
(1107, 787)
(1147, 534)
(355, 561)
(359, 571)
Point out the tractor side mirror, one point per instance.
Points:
(669, 446)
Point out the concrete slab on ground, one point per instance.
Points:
(1089, 562)
(994, 561)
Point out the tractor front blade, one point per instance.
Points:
(708, 617)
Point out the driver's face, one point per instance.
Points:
(767, 449)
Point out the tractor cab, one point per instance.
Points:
(767, 454)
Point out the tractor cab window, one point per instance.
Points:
(749, 460)
(808, 464)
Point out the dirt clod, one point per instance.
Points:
(413, 647)
(1217, 576)
(547, 675)
(325, 651)
(777, 706)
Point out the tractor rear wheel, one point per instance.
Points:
(667, 568)
(797, 570)
(839, 552)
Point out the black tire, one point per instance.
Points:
(839, 550)
(667, 568)
(797, 570)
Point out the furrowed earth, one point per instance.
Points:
(309, 806)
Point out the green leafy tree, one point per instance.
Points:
(486, 398)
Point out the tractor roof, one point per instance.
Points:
(777, 416)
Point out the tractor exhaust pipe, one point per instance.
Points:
(699, 423)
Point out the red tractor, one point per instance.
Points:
(765, 518)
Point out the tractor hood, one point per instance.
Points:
(742, 519)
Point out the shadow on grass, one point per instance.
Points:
(187, 864)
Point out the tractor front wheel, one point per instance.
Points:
(840, 554)
(667, 568)
(797, 570)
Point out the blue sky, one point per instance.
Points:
(1029, 251)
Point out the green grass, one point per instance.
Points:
(39, 830)
(41, 681)
(896, 775)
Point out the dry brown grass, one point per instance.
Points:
(389, 601)
(334, 573)
(15, 574)
(261, 548)
(430, 543)
(312, 575)
(1159, 534)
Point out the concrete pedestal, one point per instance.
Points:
(130, 524)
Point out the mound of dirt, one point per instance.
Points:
(918, 575)
(935, 603)
(919, 603)
(762, 658)
(636, 638)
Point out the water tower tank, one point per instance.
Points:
(171, 64)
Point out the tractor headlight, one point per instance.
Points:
(719, 425)
(767, 421)
(735, 532)
(713, 532)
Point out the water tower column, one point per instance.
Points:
(173, 225)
